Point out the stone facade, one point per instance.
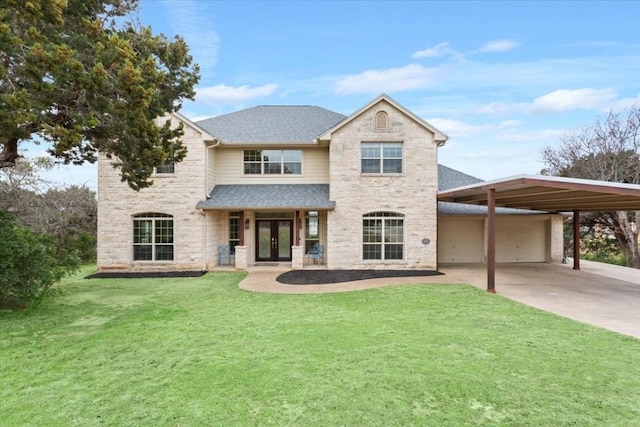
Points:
(173, 194)
(411, 194)
(334, 158)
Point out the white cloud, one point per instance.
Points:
(496, 108)
(498, 46)
(230, 94)
(566, 100)
(190, 22)
(412, 76)
(624, 103)
(542, 136)
(509, 124)
(441, 49)
(459, 129)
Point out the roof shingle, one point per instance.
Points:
(272, 124)
(268, 196)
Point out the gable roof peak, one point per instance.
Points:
(439, 137)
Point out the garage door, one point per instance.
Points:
(521, 241)
(460, 241)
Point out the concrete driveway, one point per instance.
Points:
(600, 294)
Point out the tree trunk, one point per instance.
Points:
(626, 233)
(9, 153)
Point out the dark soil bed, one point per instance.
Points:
(144, 274)
(323, 277)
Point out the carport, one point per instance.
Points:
(546, 194)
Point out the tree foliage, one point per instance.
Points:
(607, 150)
(78, 75)
(67, 214)
(29, 264)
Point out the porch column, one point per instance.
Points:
(242, 228)
(576, 240)
(298, 227)
(491, 241)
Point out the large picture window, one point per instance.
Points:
(153, 237)
(383, 236)
(381, 157)
(272, 162)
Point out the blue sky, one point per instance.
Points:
(502, 79)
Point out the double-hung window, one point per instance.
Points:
(382, 236)
(153, 237)
(381, 157)
(272, 162)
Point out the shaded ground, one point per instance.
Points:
(144, 274)
(322, 277)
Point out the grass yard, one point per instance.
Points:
(201, 352)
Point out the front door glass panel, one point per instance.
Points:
(273, 240)
(284, 239)
(264, 239)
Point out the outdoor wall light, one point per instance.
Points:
(246, 224)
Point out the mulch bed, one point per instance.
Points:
(144, 274)
(323, 277)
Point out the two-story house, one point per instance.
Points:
(272, 182)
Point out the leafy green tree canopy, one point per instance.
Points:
(85, 78)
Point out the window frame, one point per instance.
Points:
(257, 163)
(234, 230)
(381, 121)
(168, 168)
(309, 240)
(154, 242)
(388, 244)
(367, 157)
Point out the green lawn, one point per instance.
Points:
(201, 352)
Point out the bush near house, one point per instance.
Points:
(602, 248)
(29, 264)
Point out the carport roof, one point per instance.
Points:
(549, 193)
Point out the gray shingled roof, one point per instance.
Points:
(268, 196)
(272, 123)
(450, 178)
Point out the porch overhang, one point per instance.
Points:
(268, 197)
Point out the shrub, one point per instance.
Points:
(29, 264)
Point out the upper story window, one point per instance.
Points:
(381, 157)
(168, 167)
(153, 237)
(272, 162)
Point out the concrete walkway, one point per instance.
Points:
(599, 294)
